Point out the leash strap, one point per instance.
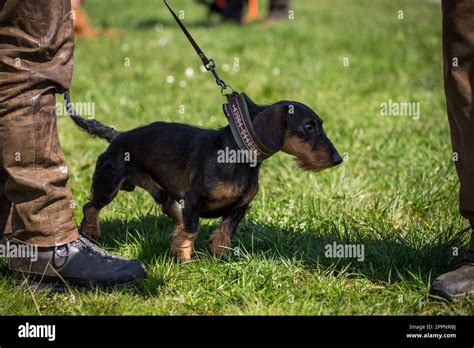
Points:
(241, 126)
(235, 110)
(208, 63)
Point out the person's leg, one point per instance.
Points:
(234, 10)
(458, 50)
(36, 61)
(37, 173)
(36, 45)
(279, 8)
(5, 206)
(458, 47)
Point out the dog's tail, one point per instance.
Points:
(93, 127)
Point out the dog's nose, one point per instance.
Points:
(336, 159)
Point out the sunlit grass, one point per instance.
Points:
(396, 193)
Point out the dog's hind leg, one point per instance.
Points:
(170, 206)
(144, 181)
(107, 180)
(220, 240)
(173, 209)
(184, 235)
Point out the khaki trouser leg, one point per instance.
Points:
(37, 175)
(36, 46)
(6, 206)
(458, 49)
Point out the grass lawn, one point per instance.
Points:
(396, 193)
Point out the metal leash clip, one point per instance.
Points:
(208, 63)
(211, 66)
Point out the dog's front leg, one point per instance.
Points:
(182, 243)
(220, 240)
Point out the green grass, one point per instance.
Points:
(396, 193)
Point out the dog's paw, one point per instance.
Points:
(182, 244)
(90, 230)
(220, 243)
(90, 222)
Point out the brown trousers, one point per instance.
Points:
(458, 49)
(36, 46)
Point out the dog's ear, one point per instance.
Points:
(270, 126)
(251, 106)
(250, 103)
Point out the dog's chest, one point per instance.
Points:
(227, 194)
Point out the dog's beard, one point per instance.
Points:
(312, 165)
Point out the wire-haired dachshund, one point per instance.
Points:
(178, 165)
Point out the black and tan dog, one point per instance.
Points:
(177, 164)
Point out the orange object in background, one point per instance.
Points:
(252, 14)
(82, 26)
(252, 6)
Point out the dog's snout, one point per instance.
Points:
(336, 159)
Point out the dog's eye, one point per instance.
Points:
(309, 127)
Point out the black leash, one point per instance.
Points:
(236, 110)
(208, 63)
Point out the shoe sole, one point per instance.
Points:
(60, 287)
(41, 282)
(447, 296)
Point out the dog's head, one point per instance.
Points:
(295, 129)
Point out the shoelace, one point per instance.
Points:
(85, 244)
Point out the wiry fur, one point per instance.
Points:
(177, 164)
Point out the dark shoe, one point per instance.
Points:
(458, 283)
(80, 262)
